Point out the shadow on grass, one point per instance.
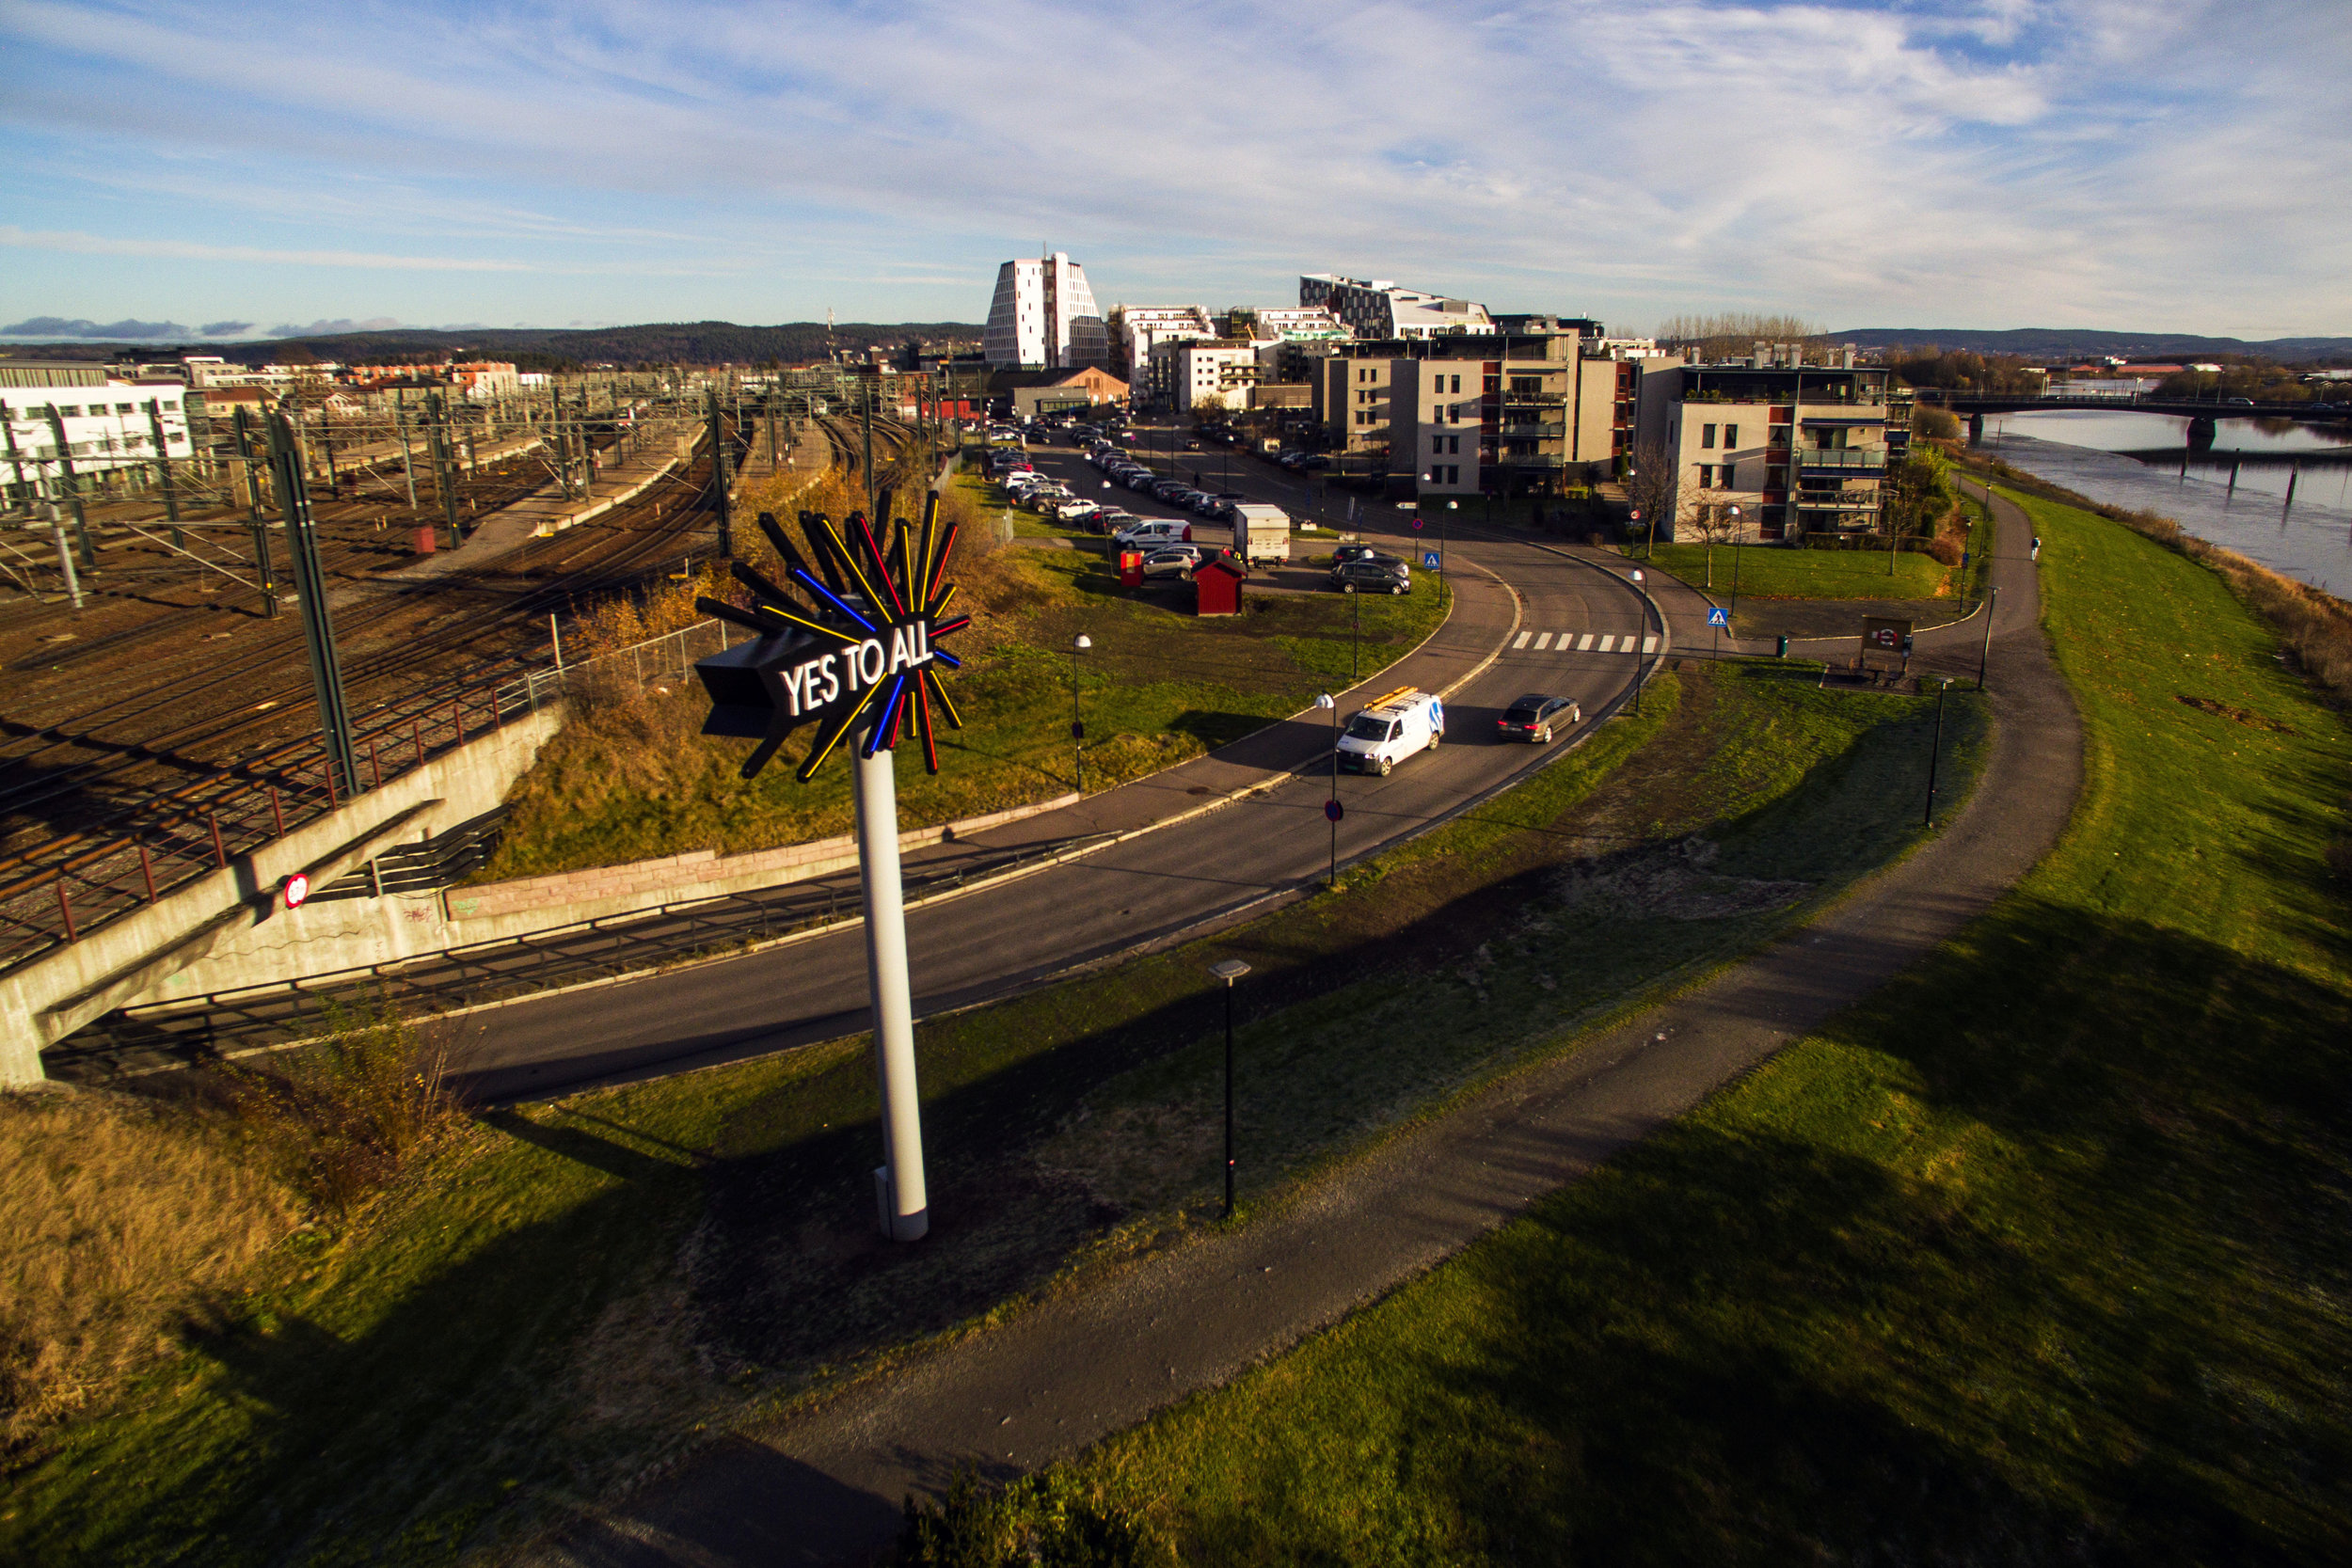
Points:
(2047, 1269)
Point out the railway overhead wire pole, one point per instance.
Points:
(318, 625)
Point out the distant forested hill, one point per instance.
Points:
(658, 344)
(2055, 343)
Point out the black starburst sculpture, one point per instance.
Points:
(858, 640)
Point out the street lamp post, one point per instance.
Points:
(1638, 682)
(1736, 516)
(1331, 807)
(1935, 750)
(1228, 970)
(1984, 654)
(1077, 726)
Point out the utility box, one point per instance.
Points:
(1261, 533)
(1131, 568)
(1216, 586)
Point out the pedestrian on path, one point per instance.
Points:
(2036, 548)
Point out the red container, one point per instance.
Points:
(425, 541)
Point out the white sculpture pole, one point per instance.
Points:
(902, 1206)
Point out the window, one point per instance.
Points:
(1452, 474)
(71, 411)
(124, 408)
(1707, 472)
(1457, 386)
(1706, 436)
(1526, 385)
(1457, 409)
(1731, 436)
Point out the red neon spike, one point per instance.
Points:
(923, 723)
(882, 566)
(947, 628)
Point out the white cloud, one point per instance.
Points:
(1971, 163)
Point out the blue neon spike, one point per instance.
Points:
(800, 574)
(887, 725)
(950, 660)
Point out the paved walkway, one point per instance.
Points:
(826, 1488)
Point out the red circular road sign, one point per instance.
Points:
(295, 889)
(1333, 809)
(1886, 637)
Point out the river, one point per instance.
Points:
(2137, 461)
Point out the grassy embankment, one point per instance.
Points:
(1774, 573)
(632, 779)
(2036, 1256)
(566, 1293)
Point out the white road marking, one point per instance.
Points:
(1606, 640)
(1649, 644)
(1585, 643)
(1522, 642)
(1541, 643)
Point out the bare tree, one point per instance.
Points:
(1649, 484)
(1717, 524)
(1726, 334)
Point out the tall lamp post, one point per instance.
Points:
(1331, 807)
(1736, 516)
(1077, 726)
(1228, 970)
(1638, 682)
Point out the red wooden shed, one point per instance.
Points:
(1216, 585)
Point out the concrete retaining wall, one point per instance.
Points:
(352, 936)
(143, 956)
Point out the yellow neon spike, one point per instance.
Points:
(874, 601)
(787, 615)
(848, 721)
(933, 612)
(938, 689)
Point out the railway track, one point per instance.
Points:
(160, 780)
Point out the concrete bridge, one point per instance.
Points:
(1966, 403)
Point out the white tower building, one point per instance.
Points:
(1044, 315)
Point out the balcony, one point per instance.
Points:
(1532, 431)
(1840, 459)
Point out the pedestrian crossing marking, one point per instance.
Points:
(1585, 643)
(1543, 641)
(1606, 641)
(1649, 644)
(1522, 642)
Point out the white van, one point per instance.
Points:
(1392, 729)
(1155, 533)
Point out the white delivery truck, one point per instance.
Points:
(1392, 729)
(1261, 533)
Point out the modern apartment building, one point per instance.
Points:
(1043, 316)
(1377, 309)
(1135, 330)
(1187, 372)
(1799, 448)
(106, 424)
(1491, 414)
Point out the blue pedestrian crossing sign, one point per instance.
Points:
(1429, 560)
(1719, 616)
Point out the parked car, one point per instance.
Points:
(1363, 552)
(1537, 717)
(1371, 577)
(1077, 511)
(1153, 533)
(1110, 519)
(1314, 462)
(2238, 402)
(1173, 560)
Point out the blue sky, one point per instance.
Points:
(2133, 163)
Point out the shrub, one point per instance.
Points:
(1048, 1520)
(342, 1117)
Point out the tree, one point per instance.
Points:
(1730, 333)
(1715, 523)
(1208, 410)
(1649, 484)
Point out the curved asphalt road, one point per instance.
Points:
(824, 1488)
(1519, 607)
